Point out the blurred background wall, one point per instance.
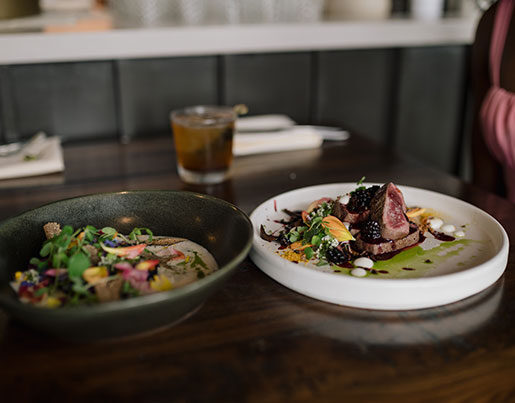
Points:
(413, 98)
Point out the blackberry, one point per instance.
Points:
(372, 190)
(360, 199)
(371, 231)
(337, 256)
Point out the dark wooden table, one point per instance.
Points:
(255, 340)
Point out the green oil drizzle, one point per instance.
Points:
(420, 260)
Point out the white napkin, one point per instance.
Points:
(41, 155)
(296, 138)
(263, 123)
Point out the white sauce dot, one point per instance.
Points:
(448, 228)
(364, 262)
(459, 234)
(358, 272)
(345, 199)
(435, 223)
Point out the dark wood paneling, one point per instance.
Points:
(71, 100)
(270, 83)
(151, 88)
(354, 90)
(430, 104)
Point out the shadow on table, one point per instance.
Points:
(396, 328)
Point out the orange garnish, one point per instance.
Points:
(337, 229)
(95, 274)
(147, 265)
(130, 252)
(299, 246)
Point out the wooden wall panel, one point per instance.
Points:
(355, 89)
(149, 89)
(71, 100)
(269, 83)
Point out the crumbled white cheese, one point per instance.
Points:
(331, 241)
(459, 234)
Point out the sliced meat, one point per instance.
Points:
(341, 212)
(388, 209)
(389, 245)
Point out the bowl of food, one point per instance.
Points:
(118, 264)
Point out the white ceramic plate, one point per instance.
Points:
(443, 272)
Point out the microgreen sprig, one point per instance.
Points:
(359, 185)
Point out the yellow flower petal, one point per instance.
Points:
(299, 246)
(160, 283)
(147, 265)
(337, 229)
(94, 274)
(53, 302)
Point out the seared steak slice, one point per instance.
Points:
(341, 212)
(389, 245)
(388, 209)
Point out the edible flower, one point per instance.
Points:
(52, 302)
(160, 283)
(337, 229)
(94, 274)
(172, 253)
(55, 272)
(130, 252)
(299, 246)
(75, 242)
(147, 265)
(136, 278)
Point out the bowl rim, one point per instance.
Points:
(143, 300)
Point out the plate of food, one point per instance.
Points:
(378, 246)
(120, 264)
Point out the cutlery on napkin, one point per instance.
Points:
(40, 155)
(274, 133)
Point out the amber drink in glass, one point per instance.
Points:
(203, 138)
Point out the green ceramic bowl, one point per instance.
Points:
(220, 227)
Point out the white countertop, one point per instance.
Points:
(106, 43)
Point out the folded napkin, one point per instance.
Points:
(295, 138)
(263, 123)
(41, 155)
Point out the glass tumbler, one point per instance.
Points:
(203, 137)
